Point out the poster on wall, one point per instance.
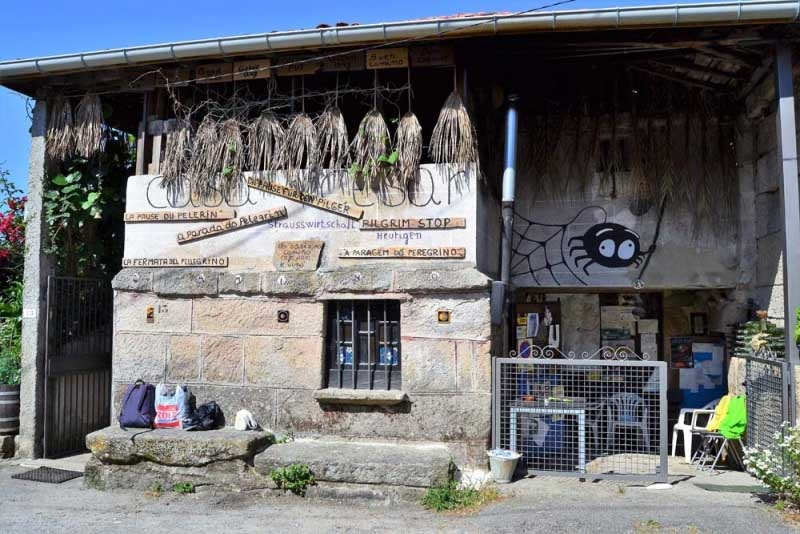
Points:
(681, 356)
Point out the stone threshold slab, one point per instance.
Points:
(361, 397)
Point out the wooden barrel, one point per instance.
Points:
(9, 410)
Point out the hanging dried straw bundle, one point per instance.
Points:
(266, 138)
(176, 159)
(206, 160)
(371, 142)
(454, 140)
(301, 153)
(333, 144)
(60, 141)
(88, 126)
(230, 181)
(409, 150)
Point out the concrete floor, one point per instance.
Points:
(540, 504)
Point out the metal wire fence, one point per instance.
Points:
(604, 418)
(767, 386)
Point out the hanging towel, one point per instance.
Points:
(735, 421)
(719, 413)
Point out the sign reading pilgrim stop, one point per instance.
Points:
(298, 255)
(233, 224)
(431, 223)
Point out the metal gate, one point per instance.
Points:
(768, 393)
(602, 415)
(78, 362)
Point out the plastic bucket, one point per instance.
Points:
(503, 463)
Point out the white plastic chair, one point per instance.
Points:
(628, 410)
(686, 427)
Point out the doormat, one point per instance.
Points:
(48, 474)
(733, 488)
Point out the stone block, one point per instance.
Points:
(358, 279)
(183, 359)
(222, 360)
(428, 365)
(186, 282)
(767, 134)
(448, 417)
(362, 463)
(6, 446)
(469, 317)
(300, 284)
(175, 447)
(768, 173)
(360, 397)
(169, 315)
(139, 356)
(284, 362)
(244, 283)
(769, 219)
(257, 317)
(133, 280)
(474, 365)
(231, 475)
(769, 267)
(439, 279)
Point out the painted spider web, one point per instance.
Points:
(540, 249)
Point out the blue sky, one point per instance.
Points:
(35, 28)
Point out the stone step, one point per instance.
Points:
(362, 463)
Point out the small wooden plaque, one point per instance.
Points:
(334, 206)
(243, 221)
(404, 253)
(387, 58)
(209, 214)
(298, 66)
(221, 261)
(432, 56)
(298, 255)
(214, 73)
(348, 62)
(430, 223)
(252, 70)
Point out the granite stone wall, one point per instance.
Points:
(217, 332)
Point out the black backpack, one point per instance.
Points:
(206, 417)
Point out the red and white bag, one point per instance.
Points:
(171, 409)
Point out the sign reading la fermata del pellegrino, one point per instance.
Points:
(232, 224)
(221, 261)
(334, 206)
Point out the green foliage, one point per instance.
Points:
(156, 489)
(183, 487)
(286, 437)
(83, 203)
(11, 333)
(295, 478)
(778, 466)
(450, 497)
(762, 333)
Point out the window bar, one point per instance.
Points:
(387, 354)
(353, 338)
(339, 355)
(370, 355)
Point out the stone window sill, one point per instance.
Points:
(362, 397)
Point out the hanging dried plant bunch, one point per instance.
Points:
(60, 141)
(230, 181)
(88, 126)
(266, 143)
(454, 140)
(408, 144)
(177, 153)
(371, 150)
(206, 160)
(301, 153)
(333, 143)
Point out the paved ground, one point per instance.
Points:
(541, 504)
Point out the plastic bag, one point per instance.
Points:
(205, 417)
(245, 421)
(171, 409)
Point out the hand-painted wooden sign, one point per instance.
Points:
(430, 223)
(209, 214)
(410, 253)
(214, 73)
(233, 224)
(298, 255)
(298, 66)
(252, 70)
(348, 62)
(387, 58)
(432, 56)
(221, 261)
(334, 206)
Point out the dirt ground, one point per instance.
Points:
(542, 504)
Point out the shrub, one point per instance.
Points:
(11, 333)
(779, 466)
(183, 487)
(451, 497)
(295, 478)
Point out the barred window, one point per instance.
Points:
(364, 344)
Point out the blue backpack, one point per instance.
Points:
(138, 406)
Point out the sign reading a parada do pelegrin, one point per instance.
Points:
(239, 223)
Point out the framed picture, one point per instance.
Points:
(699, 322)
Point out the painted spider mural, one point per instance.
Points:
(608, 244)
(568, 253)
